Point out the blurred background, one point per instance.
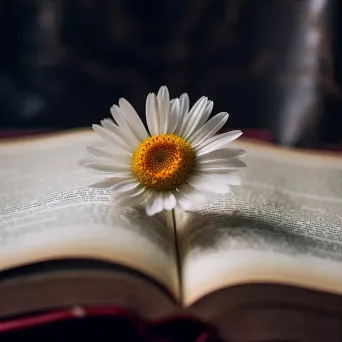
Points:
(274, 65)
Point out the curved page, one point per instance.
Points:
(47, 212)
(283, 225)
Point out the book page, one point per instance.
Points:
(283, 225)
(48, 212)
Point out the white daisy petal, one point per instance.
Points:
(206, 114)
(107, 167)
(138, 198)
(152, 114)
(208, 183)
(221, 155)
(133, 119)
(133, 192)
(87, 160)
(169, 201)
(107, 183)
(126, 186)
(149, 206)
(233, 165)
(194, 117)
(123, 163)
(208, 129)
(184, 104)
(164, 108)
(222, 178)
(117, 116)
(158, 204)
(217, 142)
(111, 126)
(111, 137)
(154, 204)
(114, 174)
(93, 161)
(174, 116)
(122, 132)
(196, 197)
(113, 155)
(182, 201)
(192, 193)
(227, 162)
(128, 133)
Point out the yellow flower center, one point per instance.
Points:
(163, 162)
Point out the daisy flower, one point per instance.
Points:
(179, 162)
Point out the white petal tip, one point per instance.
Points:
(83, 162)
(150, 212)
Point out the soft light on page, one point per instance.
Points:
(47, 212)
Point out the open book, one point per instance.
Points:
(64, 244)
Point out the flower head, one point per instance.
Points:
(178, 162)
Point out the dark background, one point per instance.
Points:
(272, 64)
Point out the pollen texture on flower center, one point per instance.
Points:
(163, 162)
